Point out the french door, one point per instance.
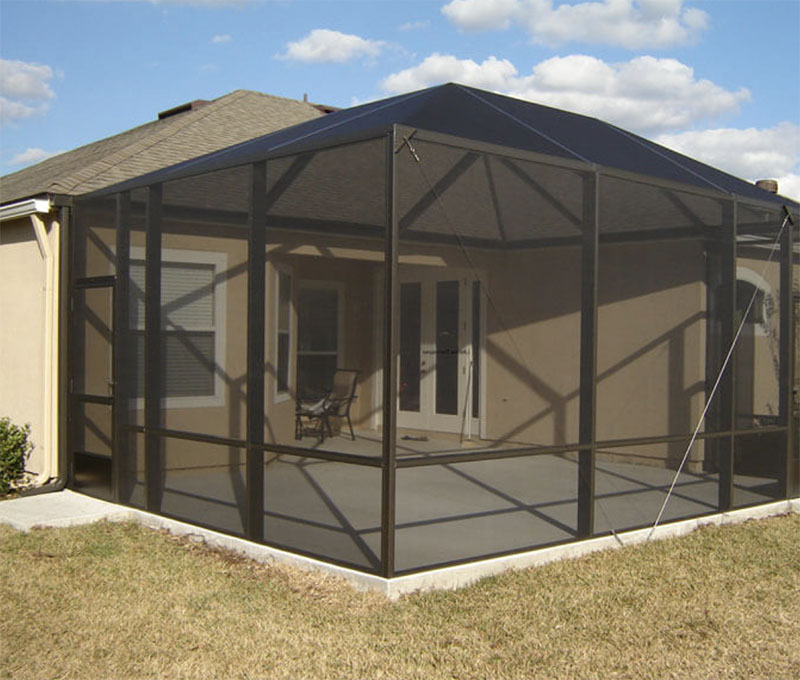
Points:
(440, 351)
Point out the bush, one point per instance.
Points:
(14, 450)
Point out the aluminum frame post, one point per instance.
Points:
(726, 390)
(124, 363)
(789, 483)
(256, 327)
(587, 435)
(153, 361)
(391, 296)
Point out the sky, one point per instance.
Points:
(718, 80)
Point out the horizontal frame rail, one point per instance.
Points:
(91, 399)
(432, 458)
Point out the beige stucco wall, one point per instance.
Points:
(22, 330)
(651, 342)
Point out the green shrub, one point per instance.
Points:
(15, 447)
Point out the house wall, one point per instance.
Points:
(354, 269)
(651, 343)
(22, 331)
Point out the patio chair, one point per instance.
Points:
(315, 417)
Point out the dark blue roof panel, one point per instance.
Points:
(480, 116)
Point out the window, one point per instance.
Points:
(283, 333)
(192, 322)
(746, 291)
(319, 331)
(752, 286)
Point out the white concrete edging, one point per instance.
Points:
(67, 508)
(448, 578)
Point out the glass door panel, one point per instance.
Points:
(439, 348)
(410, 346)
(448, 347)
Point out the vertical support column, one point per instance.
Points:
(76, 331)
(789, 481)
(256, 326)
(64, 354)
(588, 371)
(391, 296)
(153, 361)
(123, 361)
(726, 303)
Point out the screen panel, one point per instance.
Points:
(462, 511)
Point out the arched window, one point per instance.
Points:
(752, 286)
(744, 293)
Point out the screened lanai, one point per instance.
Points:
(538, 309)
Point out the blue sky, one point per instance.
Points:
(716, 79)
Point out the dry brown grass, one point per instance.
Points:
(120, 601)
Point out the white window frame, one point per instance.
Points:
(761, 329)
(278, 269)
(219, 261)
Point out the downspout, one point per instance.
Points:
(50, 388)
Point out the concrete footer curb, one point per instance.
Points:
(67, 508)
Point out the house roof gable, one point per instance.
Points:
(221, 123)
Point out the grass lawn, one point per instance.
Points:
(121, 601)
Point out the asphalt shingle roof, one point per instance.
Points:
(223, 122)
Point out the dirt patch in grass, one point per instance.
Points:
(121, 601)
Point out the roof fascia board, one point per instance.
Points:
(30, 206)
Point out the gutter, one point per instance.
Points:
(29, 206)
(36, 209)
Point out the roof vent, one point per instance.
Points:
(183, 108)
(770, 185)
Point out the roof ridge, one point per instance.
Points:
(169, 128)
(281, 98)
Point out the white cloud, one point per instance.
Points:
(789, 185)
(767, 153)
(627, 23)
(219, 39)
(14, 110)
(24, 89)
(645, 94)
(324, 45)
(491, 74)
(31, 155)
(482, 15)
(24, 80)
(415, 26)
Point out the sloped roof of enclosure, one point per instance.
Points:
(218, 124)
(481, 116)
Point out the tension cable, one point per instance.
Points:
(725, 363)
